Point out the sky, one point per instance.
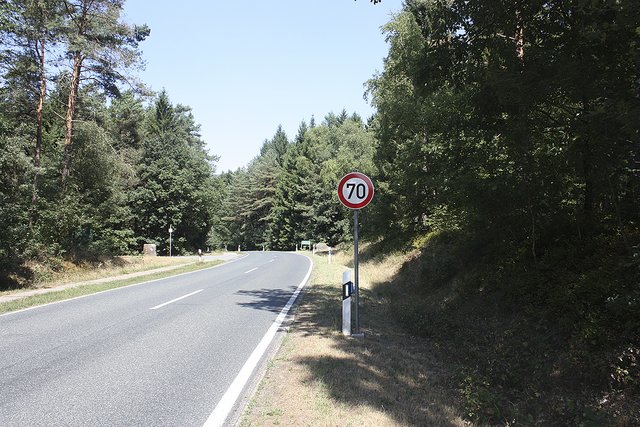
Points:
(245, 67)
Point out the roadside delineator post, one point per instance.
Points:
(171, 230)
(347, 288)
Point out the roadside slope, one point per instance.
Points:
(320, 377)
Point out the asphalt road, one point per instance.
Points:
(156, 354)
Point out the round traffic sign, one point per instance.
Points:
(355, 190)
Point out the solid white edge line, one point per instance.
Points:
(224, 407)
(175, 300)
(119, 288)
(253, 269)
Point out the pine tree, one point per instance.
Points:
(98, 45)
(176, 186)
(30, 29)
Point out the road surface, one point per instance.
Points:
(156, 354)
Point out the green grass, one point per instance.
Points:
(79, 291)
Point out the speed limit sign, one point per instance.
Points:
(355, 190)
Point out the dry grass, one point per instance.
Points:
(69, 272)
(321, 378)
(63, 293)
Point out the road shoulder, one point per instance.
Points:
(320, 377)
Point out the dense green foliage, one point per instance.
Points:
(89, 170)
(288, 193)
(509, 139)
(532, 135)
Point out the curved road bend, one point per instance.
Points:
(156, 354)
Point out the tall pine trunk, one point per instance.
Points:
(71, 108)
(524, 138)
(37, 154)
(519, 37)
(588, 205)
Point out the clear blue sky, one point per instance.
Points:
(245, 67)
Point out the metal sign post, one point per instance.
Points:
(356, 282)
(355, 191)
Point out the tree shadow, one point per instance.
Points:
(15, 277)
(272, 300)
(388, 370)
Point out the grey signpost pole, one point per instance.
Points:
(356, 283)
(170, 231)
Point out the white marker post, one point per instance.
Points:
(346, 302)
(355, 191)
(170, 232)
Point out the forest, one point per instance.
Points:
(505, 144)
(93, 163)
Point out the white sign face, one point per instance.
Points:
(355, 190)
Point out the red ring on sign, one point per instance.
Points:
(367, 182)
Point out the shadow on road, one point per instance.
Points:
(267, 299)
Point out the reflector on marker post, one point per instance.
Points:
(346, 290)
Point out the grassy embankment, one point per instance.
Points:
(454, 337)
(70, 273)
(57, 271)
(320, 377)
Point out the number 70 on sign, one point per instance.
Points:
(355, 190)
